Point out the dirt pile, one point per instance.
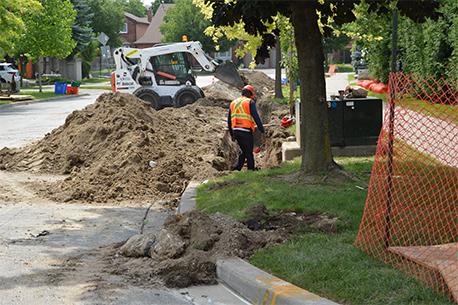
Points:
(221, 94)
(120, 149)
(185, 252)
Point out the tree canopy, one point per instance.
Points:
(108, 18)
(185, 18)
(135, 7)
(49, 30)
(81, 30)
(426, 49)
(11, 21)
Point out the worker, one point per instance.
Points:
(241, 122)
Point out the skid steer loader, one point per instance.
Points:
(163, 75)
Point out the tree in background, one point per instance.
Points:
(48, 31)
(81, 30)
(156, 3)
(88, 55)
(186, 19)
(11, 22)
(427, 49)
(108, 18)
(311, 20)
(135, 7)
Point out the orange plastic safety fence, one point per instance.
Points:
(410, 218)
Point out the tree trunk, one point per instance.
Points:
(278, 90)
(315, 143)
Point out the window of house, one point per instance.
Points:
(124, 29)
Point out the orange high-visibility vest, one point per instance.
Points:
(241, 115)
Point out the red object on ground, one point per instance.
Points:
(113, 82)
(72, 90)
(360, 83)
(257, 150)
(379, 88)
(286, 122)
(366, 83)
(169, 76)
(410, 217)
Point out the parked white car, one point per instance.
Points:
(7, 74)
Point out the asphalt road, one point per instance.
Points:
(61, 267)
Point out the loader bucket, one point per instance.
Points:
(227, 72)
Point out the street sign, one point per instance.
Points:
(103, 38)
(105, 51)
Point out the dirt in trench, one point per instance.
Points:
(185, 252)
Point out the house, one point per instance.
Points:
(134, 28)
(153, 34)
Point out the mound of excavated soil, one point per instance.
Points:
(184, 253)
(120, 149)
(221, 94)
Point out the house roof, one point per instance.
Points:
(136, 18)
(153, 33)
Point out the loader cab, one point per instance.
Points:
(173, 69)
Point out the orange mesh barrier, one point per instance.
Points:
(410, 218)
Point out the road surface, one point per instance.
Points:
(65, 266)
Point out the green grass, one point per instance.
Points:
(351, 79)
(342, 68)
(326, 264)
(94, 80)
(96, 87)
(445, 112)
(40, 95)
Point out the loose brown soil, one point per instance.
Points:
(185, 252)
(119, 149)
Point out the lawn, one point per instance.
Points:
(94, 80)
(441, 111)
(96, 87)
(326, 264)
(40, 95)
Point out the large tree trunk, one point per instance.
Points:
(278, 90)
(315, 143)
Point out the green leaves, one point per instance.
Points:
(48, 31)
(185, 18)
(11, 23)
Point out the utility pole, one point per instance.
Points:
(392, 98)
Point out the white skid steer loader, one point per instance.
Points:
(163, 75)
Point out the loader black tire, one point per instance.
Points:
(186, 96)
(149, 96)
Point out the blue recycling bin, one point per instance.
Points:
(60, 88)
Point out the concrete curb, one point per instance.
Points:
(256, 286)
(262, 288)
(63, 97)
(188, 199)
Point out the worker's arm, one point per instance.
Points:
(229, 123)
(255, 115)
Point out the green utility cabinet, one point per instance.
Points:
(355, 121)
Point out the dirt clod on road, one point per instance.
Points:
(185, 252)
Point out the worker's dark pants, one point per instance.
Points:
(245, 141)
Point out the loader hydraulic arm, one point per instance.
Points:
(127, 57)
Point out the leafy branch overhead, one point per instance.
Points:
(256, 15)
